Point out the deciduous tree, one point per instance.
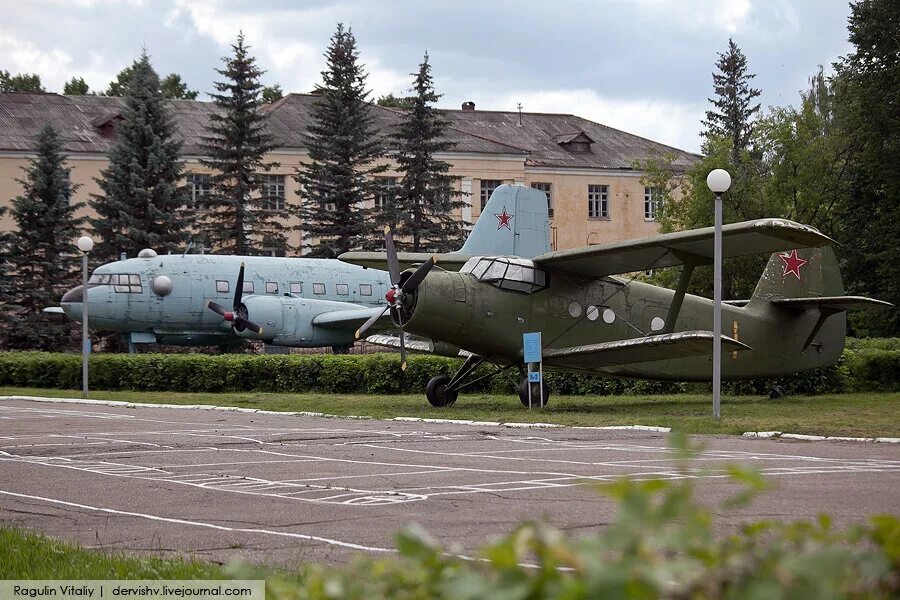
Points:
(21, 82)
(76, 86)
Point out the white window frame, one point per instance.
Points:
(385, 190)
(200, 185)
(598, 201)
(547, 188)
(652, 203)
(487, 187)
(273, 192)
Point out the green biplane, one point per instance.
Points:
(593, 320)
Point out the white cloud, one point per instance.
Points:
(53, 65)
(725, 15)
(659, 120)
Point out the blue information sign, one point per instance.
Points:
(532, 343)
(534, 377)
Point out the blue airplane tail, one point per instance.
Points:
(515, 222)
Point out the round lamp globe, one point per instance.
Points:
(718, 181)
(85, 244)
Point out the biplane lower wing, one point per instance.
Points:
(695, 247)
(646, 349)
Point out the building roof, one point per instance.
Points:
(541, 138)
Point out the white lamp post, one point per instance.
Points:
(85, 244)
(718, 181)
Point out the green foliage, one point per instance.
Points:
(343, 145)
(241, 216)
(76, 86)
(391, 101)
(868, 106)
(271, 93)
(142, 201)
(733, 103)
(40, 253)
(171, 87)
(861, 369)
(21, 82)
(422, 210)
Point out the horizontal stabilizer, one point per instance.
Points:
(351, 319)
(646, 349)
(54, 310)
(832, 302)
(450, 261)
(763, 236)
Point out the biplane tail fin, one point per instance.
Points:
(514, 222)
(801, 273)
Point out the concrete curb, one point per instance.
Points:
(818, 438)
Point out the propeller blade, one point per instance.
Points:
(418, 276)
(239, 288)
(402, 348)
(217, 308)
(393, 263)
(241, 323)
(370, 322)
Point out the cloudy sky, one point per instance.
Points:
(639, 65)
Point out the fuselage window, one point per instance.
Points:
(296, 288)
(126, 283)
(343, 289)
(318, 289)
(365, 289)
(248, 287)
(222, 286)
(271, 287)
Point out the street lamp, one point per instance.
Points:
(85, 244)
(718, 181)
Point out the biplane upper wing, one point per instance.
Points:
(638, 350)
(763, 236)
(451, 261)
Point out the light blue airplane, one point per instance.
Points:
(301, 302)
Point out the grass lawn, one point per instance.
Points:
(859, 415)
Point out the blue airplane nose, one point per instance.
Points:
(76, 294)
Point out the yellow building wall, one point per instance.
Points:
(570, 225)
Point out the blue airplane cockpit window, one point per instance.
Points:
(222, 286)
(99, 279)
(126, 283)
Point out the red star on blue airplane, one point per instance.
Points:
(503, 219)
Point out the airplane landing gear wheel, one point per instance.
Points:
(437, 392)
(535, 393)
(777, 392)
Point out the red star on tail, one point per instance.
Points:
(792, 264)
(503, 219)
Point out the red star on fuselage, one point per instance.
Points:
(503, 219)
(792, 264)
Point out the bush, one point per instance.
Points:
(867, 365)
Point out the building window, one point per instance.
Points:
(652, 203)
(343, 289)
(318, 289)
(546, 188)
(200, 187)
(365, 289)
(248, 287)
(222, 286)
(598, 202)
(385, 191)
(272, 191)
(487, 188)
(296, 288)
(271, 287)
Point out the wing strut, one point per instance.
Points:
(690, 261)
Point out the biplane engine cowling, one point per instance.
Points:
(287, 321)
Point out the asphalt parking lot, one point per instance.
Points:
(282, 489)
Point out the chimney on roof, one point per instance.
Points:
(468, 105)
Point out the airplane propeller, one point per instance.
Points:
(398, 291)
(237, 316)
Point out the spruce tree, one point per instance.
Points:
(734, 107)
(40, 255)
(343, 145)
(76, 86)
(425, 201)
(242, 217)
(272, 93)
(142, 204)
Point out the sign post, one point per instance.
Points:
(532, 355)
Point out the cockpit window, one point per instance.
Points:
(99, 279)
(517, 274)
(124, 283)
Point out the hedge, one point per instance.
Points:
(863, 367)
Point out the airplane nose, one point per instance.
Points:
(76, 294)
